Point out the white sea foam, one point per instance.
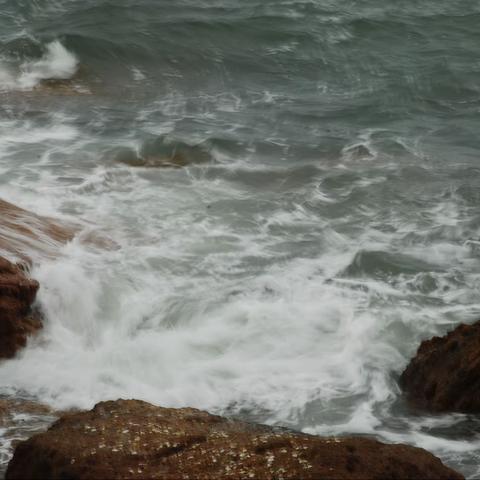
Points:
(220, 300)
(57, 63)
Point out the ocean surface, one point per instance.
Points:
(326, 221)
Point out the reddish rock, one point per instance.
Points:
(445, 373)
(131, 439)
(22, 232)
(17, 321)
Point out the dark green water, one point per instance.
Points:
(326, 222)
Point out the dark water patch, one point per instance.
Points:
(21, 48)
(95, 47)
(415, 173)
(340, 180)
(465, 172)
(380, 264)
(470, 193)
(266, 179)
(230, 147)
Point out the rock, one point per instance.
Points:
(162, 152)
(17, 320)
(20, 419)
(445, 373)
(22, 232)
(131, 439)
(64, 87)
(173, 160)
(10, 407)
(358, 152)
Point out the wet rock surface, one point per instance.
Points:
(22, 232)
(26, 235)
(17, 318)
(135, 440)
(20, 419)
(444, 376)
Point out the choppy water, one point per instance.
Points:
(329, 220)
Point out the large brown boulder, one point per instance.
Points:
(17, 320)
(131, 439)
(445, 373)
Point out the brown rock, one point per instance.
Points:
(22, 232)
(11, 406)
(17, 320)
(19, 420)
(130, 439)
(162, 153)
(64, 87)
(445, 373)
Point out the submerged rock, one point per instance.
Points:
(445, 373)
(129, 157)
(64, 87)
(131, 439)
(20, 419)
(17, 320)
(162, 152)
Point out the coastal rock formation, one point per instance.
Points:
(17, 320)
(445, 373)
(131, 439)
(22, 232)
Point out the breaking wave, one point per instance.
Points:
(57, 63)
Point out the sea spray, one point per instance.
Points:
(57, 63)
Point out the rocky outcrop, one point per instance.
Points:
(445, 373)
(22, 232)
(17, 320)
(131, 439)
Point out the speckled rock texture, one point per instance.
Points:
(130, 439)
(17, 319)
(444, 376)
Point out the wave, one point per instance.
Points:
(57, 63)
(384, 264)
